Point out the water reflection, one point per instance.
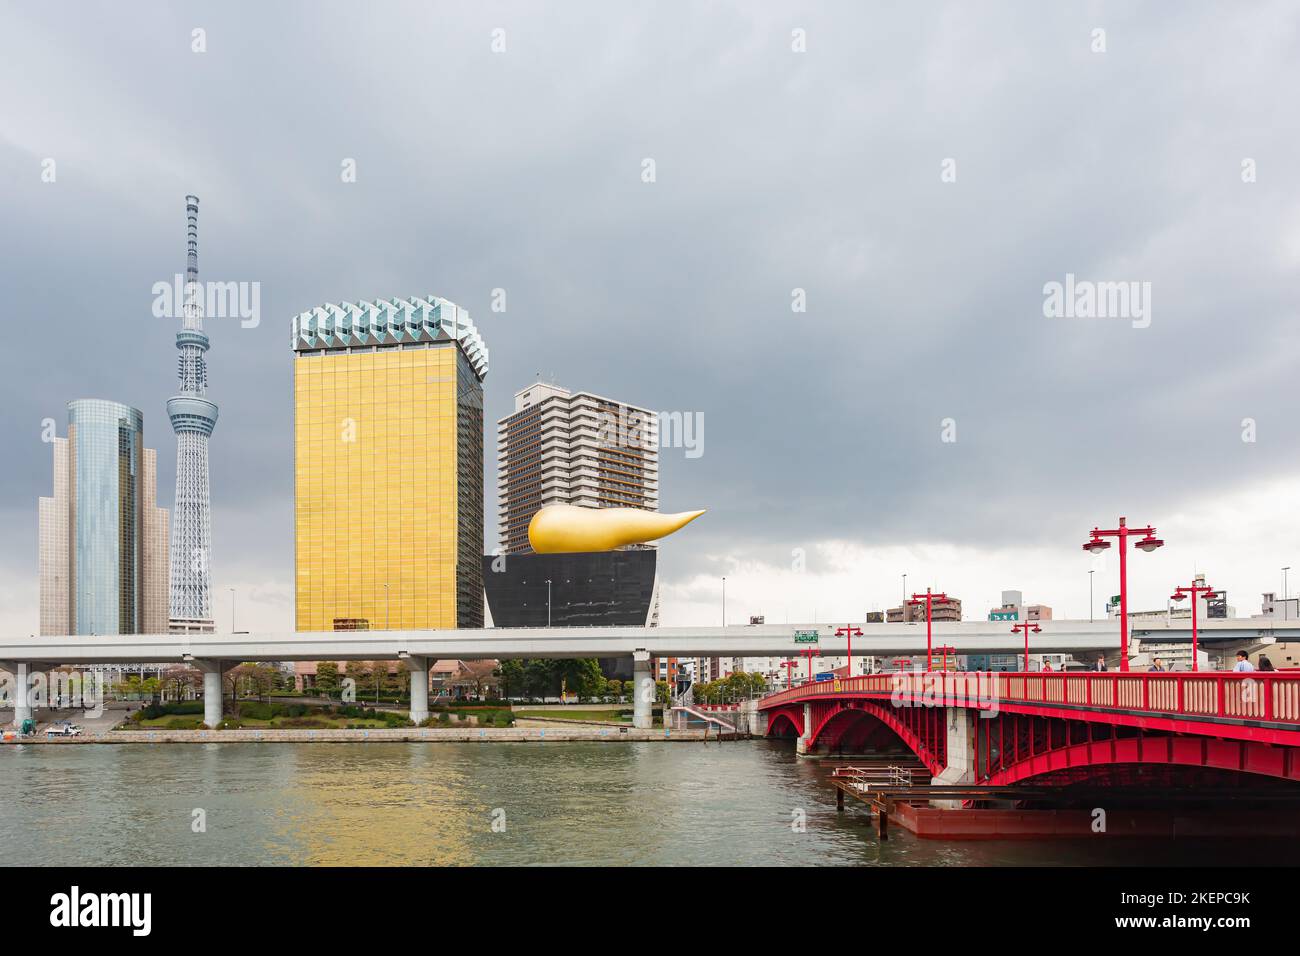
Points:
(435, 804)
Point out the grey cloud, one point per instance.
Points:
(775, 170)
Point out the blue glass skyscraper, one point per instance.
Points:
(103, 542)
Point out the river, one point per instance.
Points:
(444, 804)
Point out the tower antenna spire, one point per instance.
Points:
(193, 312)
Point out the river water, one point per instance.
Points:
(732, 803)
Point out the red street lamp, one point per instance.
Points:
(928, 600)
(1026, 626)
(1097, 544)
(945, 650)
(789, 665)
(1192, 590)
(849, 632)
(809, 651)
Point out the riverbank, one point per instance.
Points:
(553, 733)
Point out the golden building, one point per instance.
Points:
(388, 466)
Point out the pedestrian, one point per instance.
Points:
(1047, 667)
(1101, 663)
(1265, 664)
(1157, 666)
(1243, 663)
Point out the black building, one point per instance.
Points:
(588, 589)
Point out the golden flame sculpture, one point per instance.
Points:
(563, 529)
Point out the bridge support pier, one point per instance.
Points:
(805, 746)
(961, 769)
(20, 690)
(212, 690)
(643, 691)
(419, 670)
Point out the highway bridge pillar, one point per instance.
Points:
(643, 691)
(212, 690)
(20, 689)
(419, 670)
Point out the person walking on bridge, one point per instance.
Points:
(1101, 663)
(1243, 662)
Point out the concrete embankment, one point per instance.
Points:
(551, 733)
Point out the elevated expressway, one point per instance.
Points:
(214, 653)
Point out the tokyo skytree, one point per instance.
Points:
(193, 417)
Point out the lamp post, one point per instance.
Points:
(232, 609)
(1026, 626)
(1192, 590)
(1097, 544)
(548, 602)
(928, 599)
(945, 650)
(848, 632)
(809, 651)
(1285, 592)
(789, 666)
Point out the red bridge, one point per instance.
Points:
(1000, 729)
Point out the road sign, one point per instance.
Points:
(825, 675)
(805, 637)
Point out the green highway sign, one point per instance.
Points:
(805, 637)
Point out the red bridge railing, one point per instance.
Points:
(1264, 695)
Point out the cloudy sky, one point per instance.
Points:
(920, 172)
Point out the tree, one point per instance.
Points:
(128, 686)
(177, 682)
(511, 677)
(359, 674)
(539, 678)
(327, 677)
(399, 681)
(661, 692)
(581, 676)
(151, 687)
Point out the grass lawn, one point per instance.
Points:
(605, 716)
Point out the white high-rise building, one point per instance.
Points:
(572, 448)
(193, 418)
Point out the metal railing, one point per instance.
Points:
(1269, 696)
(863, 779)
